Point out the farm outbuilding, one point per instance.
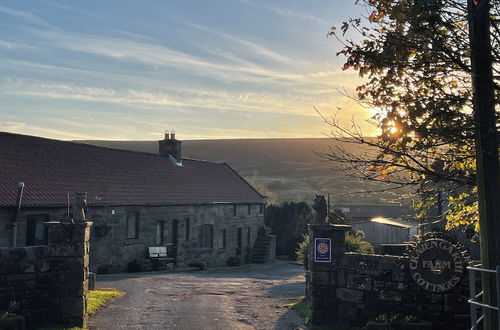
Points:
(386, 231)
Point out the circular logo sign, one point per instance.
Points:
(437, 265)
(323, 248)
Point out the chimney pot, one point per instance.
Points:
(171, 147)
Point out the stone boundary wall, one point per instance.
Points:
(356, 288)
(368, 286)
(48, 284)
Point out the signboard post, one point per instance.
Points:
(322, 250)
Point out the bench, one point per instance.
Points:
(161, 256)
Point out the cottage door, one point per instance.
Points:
(36, 231)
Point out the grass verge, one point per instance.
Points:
(95, 299)
(301, 307)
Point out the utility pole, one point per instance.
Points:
(328, 209)
(486, 149)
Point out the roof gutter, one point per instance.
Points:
(20, 190)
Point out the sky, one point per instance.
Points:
(130, 70)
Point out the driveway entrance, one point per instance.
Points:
(248, 298)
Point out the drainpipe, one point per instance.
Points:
(20, 189)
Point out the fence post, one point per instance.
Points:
(472, 290)
(498, 293)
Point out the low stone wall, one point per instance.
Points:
(371, 286)
(355, 288)
(48, 284)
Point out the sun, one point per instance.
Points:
(392, 127)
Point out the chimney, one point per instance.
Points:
(171, 147)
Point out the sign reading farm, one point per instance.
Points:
(322, 250)
(437, 265)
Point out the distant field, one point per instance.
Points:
(289, 168)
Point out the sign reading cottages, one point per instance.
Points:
(437, 265)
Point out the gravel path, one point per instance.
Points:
(250, 297)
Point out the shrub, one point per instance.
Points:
(233, 261)
(302, 251)
(201, 265)
(354, 242)
(133, 267)
(288, 222)
(6, 315)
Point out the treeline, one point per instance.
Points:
(289, 220)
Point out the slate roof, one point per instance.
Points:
(51, 168)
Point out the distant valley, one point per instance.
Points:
(290, 169)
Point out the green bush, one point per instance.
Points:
(6, 315)
(288, 222)
(233, 261)
(201, 265)
(302, 251)
(354, 242)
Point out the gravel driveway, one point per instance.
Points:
(249, 297)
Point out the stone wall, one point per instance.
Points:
(48, 284)
(371, 286)
(111, 250)
(356, 288)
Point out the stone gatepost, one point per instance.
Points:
(326, 250)
(69, 246)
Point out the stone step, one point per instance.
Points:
(261, 250)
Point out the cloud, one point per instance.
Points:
(11, 125)
(25, 16)
(156, 56)
(179, 97)
(131, 79)
(285, 12)
(251, 47)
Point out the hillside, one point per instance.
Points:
(289, 168)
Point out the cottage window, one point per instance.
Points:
(188, 229)
(249, 209)
(261, 208)
(206, 236)
(36, 231)
(160, 226)
(132, 225)
(234, 209)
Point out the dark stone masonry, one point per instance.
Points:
(48, 284)
(357, 289)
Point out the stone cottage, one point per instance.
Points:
(204, 210)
